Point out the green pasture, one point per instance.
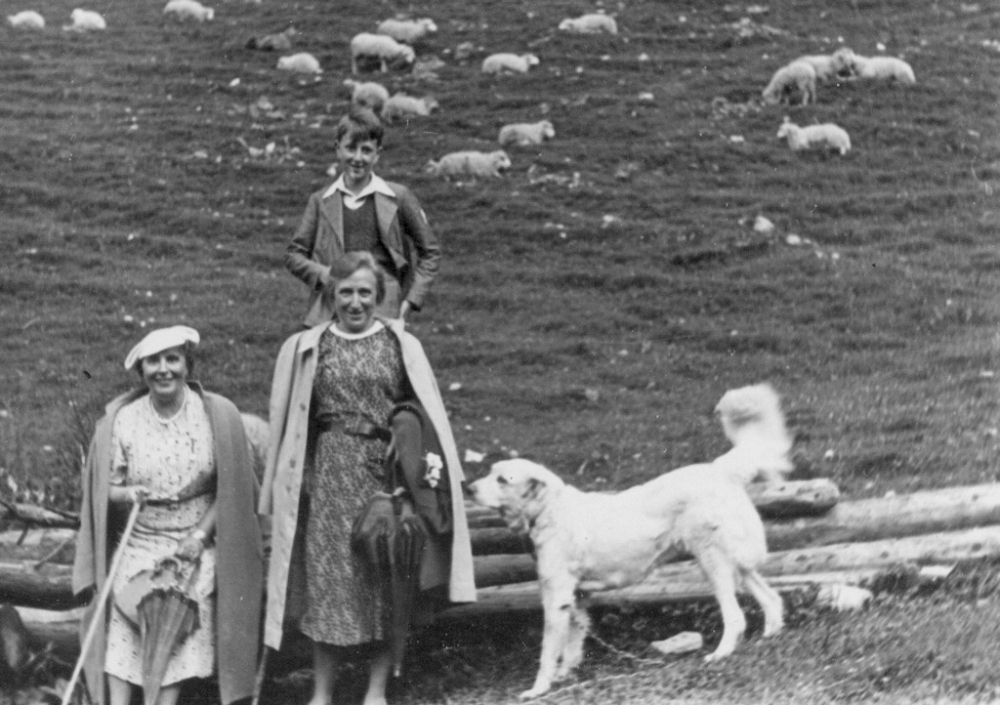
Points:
(593, 305)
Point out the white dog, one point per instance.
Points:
(590, 541)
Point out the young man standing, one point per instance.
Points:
(362, 211)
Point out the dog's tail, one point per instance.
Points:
(754, 423)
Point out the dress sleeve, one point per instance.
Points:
(119, 462)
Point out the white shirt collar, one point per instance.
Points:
(376, 185)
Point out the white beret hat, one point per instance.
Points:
(160, 340)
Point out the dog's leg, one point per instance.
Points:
(557, 603)
(770, 601)
(579, 625)
(721, 572)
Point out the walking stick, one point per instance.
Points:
(95, 622)
(258, 684)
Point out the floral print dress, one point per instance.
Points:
(359, 375)
(165, 456)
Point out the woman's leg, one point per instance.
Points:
(119, 690)
(378, 678)
(325, 673)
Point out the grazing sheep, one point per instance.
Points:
(189, 9)
(594, 23)
(26, 19)
(876, 67)
(368, 94)
(382, 47)
(827, 136)
(470, 163)
(798, 74)
(282, 41)
(85, 20)
(525, 134)
(300, 63)
(824, 65)
(509, 63)
(407, 31)
(400, 107)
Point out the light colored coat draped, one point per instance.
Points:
(288, 454)
(239, 550)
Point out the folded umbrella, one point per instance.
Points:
(406, 549)
(167, 616)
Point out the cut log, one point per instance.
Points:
(795, 498)
(911, 514)
(860, 520)
(851, 564)
(47, 588)
(944, 547)
(34, 515)
(60, 629)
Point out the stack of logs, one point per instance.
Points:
(813, 539)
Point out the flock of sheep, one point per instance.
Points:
(391, 46)
(800, 77)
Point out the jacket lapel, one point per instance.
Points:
(333, 209)
(385, 211)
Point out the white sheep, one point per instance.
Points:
(407, 31)
(877, 67)
(368, 94)
(525, 134)
(798, 74)
(85, 20)
(400, 107)
(594, 23)
(282, 41)
(509, 63)
(827, 136)
(382, 47)
(189, 9)
(824, 65)
(470, 163)
(300, 63)
(26, 19)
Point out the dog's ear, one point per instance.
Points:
(534, 488)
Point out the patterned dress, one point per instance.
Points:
(356, 375)
(164, 455)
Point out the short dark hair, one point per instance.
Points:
(360, 125)
(189, 358)
(351, 262)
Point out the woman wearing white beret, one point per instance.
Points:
(181, 453)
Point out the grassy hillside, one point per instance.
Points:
(592, 321)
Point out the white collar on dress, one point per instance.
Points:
(371, 330)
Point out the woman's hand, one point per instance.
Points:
(191, 546)
(136, 494)
(129, 494)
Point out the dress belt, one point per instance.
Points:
(355, 426)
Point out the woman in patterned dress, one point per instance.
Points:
(175, 450)
(349, 374)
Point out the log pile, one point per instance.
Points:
(813, 537)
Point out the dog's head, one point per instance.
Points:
(519, 489)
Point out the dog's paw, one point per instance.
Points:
(536, 690)
(772, 629)
(718, 655)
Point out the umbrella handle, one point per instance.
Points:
(95, 622)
